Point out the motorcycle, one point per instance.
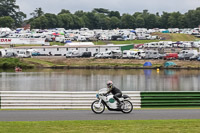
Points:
(98, 106)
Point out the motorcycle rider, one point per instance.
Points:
(115, 91)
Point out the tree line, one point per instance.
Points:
(98, 18)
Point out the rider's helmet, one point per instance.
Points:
(109, 84)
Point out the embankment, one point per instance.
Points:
(92, 63)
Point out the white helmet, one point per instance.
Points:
(109, 84)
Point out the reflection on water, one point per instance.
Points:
(92, 80)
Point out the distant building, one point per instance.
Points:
(26, 26)
(62, 50)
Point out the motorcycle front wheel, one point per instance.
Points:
(127, 107)
(96, 109)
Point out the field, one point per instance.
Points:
(62, 62)
(112, 63)
(114, 126)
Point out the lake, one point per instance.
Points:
(93, 80)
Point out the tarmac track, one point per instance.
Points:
(53, 115)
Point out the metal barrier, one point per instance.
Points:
(170, 99)
(54, 99)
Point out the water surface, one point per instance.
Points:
(92, 80)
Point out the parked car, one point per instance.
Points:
(24, 54)
(71, 54)
(36, 54)
(10, 54)
(170, 56)
(86, 54)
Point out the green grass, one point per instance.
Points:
(57, 43)
(10, 63)
(109, 126)
(182, 37)
(39, 62)
(22, 45)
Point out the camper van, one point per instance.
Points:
(128, 54)
(109, 54)
(106, 54)
(186, 54)
(71, 54)
(133, 54)
(152, 54)
(24, 54)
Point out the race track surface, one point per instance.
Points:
(52, 115)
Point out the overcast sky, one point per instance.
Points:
(123, 6)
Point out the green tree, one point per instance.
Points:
(79, 13)
(85, 20)
(173, 20)
(93, 20)
(65, 21)
(136, 14)
(63, 11)
(37, 12)
(192, 18)
(9, 8)
(114, 14)
(114, 22)
(164, 20)
(139, 22)
(7, 21)
(52, 20)
(40, 22)
(101, 10)
(127, 21)
(77, 22)
(151, 19)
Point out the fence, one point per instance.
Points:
(70, 100)
(53, 99)
(170, 99)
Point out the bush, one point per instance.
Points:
(11, 63)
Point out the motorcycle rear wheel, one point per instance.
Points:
(97, 110)
(128, 107)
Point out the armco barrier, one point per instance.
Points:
(54, 99)
(170, 99)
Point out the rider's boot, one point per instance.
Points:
(120, 105)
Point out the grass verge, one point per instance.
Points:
(38, 62)
(109, 126)
(10, 63)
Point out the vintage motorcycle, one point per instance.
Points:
(98, 106)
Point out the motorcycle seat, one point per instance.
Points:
(125, 96)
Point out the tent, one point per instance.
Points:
(132, 31)
(165, 31)
(68, 41)
(147, 64)
(169, 63)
